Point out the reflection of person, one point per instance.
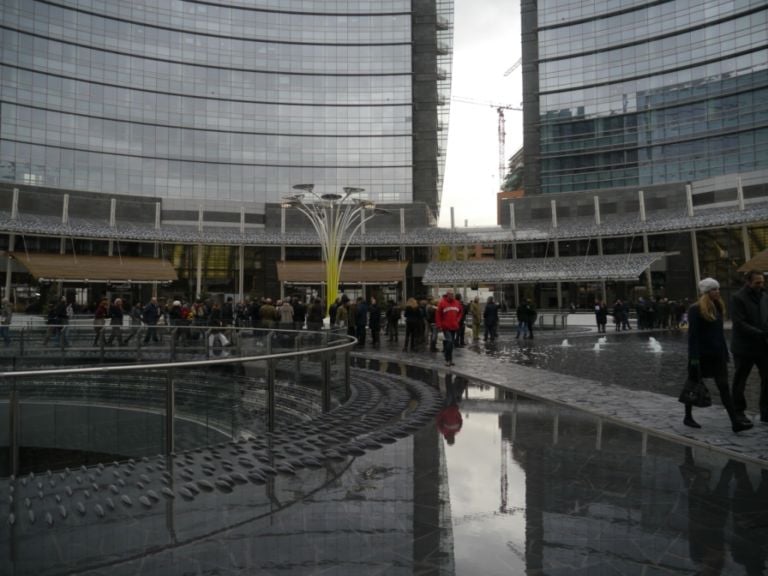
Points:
(750, 509)
(449, 420)
(707, 514)
(707, 350)
(749, 345)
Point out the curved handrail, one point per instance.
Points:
(347, 344)
(325, 350)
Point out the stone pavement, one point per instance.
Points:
(655, 413)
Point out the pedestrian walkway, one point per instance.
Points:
(644, 410)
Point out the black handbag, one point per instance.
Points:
(696, 393)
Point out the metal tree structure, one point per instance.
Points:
(336, 219)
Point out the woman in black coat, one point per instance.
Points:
(707, 350)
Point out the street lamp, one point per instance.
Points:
(334, 218)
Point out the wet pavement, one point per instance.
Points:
(551, 470)
(625, 379)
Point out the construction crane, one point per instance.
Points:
(502, 126)
(514, 67)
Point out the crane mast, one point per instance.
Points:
(502, 129)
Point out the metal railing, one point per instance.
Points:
(198, 381)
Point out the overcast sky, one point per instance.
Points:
(486, 43)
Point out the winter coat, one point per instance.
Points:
(749, 312)
(448, 314)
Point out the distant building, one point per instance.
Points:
(200, 115)
(639, 94)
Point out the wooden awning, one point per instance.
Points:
(371, 271)
(758, 262)
(71, 268)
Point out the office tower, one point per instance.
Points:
(636, 94)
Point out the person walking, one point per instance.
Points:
(477, 317)
(447, 319)
(61, 321)
(412, 324)
(99, 319)
(522, 323)
(6, 315)
(314, 315)
(342, 313)
(361, 319)
(461, 332)
(749, 342)
(374, 321)
(601, 315)
(530, 317)
(431, 309)
(285, 313)
(135, 321)
(491, 320)
(151, 316)
(116, 314)
(708, 351)
(393, 320)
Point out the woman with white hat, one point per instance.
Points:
(707, 350)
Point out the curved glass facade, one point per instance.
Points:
(643, 93)
(237, 102)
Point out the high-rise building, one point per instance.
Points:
(640, 93)
(225, 101)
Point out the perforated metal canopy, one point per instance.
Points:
(566, 269)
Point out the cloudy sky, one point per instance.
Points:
(486, 44)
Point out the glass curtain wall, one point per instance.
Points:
(195, 100)
(647, 93)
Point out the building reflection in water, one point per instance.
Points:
(582, 495)
(515, 486)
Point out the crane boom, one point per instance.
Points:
(514, 67)
(502, 131)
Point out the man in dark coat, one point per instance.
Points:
(361, 319)
(151, 316)
(749, 345)
(374, 321)
(116, 313)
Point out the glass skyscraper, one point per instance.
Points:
(639, 93)
(230, 100)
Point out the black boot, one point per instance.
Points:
(741, 425)
(688, 420)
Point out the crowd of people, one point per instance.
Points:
(426, 321)
(651, 314)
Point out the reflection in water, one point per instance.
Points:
(449, 420)
(526, 488)
(580, 495)
(708, 512)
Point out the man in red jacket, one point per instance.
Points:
(447, 318)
